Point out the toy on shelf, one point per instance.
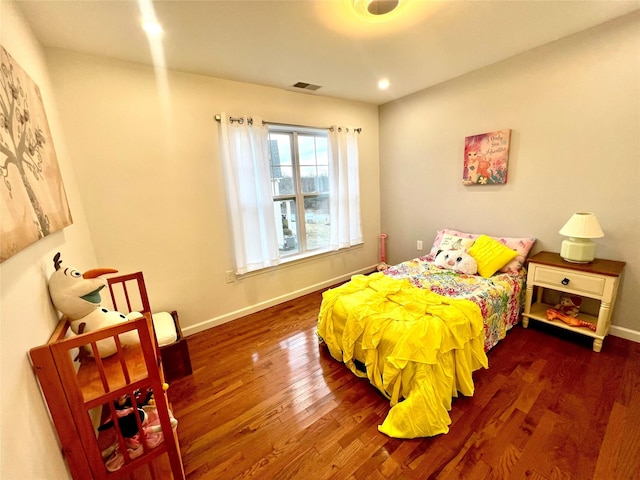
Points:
(569, 305)
(125, 411)
(77, 296)
(567, 311)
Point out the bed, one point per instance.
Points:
(418, 331)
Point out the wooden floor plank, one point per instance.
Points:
(265, 401)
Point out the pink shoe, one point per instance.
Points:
(154, 439)
(115, 461)
(134, 447)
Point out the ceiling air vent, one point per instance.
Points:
(306, 86)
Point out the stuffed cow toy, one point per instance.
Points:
(77, 296)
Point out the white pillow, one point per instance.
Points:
(165, 328)
(454, 242)
(163, 325)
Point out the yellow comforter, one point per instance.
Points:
(419, 348)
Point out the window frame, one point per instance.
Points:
(299, 196)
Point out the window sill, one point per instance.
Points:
(298, 259)
(303, 256)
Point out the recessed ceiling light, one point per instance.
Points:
(383, 84)
(152, 28)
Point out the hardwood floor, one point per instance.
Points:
(265, 401)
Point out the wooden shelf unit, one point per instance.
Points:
(77, 399)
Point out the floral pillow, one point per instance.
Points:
(521, 245)
(453, 242)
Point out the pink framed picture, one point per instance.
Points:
(486, 157)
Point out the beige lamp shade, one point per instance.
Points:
(582, 225)
(581, 228)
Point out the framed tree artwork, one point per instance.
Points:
(33, 202)
(486, 157)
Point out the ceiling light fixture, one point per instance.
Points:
(382, 7)
(376, 10)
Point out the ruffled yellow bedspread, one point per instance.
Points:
(419, 348)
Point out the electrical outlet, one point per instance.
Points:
(419, 244)
(230, 276)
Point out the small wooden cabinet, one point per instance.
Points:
(81, 394)
(598, 280)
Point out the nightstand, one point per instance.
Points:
(599, 280)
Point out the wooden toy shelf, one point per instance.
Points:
(79, 397)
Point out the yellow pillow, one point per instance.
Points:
(491, 255)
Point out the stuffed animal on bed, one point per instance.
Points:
(77, 296)
(457, 260)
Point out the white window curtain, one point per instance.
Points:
(344, 188)
(245, 158)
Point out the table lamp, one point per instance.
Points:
(581, 228)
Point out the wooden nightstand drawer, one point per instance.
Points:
(588, 284)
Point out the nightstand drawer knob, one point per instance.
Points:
(565, 281)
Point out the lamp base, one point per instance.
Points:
(578, 250)
(577, 261)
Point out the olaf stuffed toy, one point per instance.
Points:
(457, 260)
(77, 296)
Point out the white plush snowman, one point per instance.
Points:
(77, 296)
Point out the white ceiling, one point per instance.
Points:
(279, 43)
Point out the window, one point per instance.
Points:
(290, 191)
(299, 168)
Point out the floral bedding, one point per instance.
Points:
(500, 298)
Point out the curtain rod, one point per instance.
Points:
(240, 120)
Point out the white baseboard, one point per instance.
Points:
(214, 322)
(625, 333)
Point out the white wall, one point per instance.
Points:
(147, 171)
(28, 444)
(574, 110)
(150, 176)
(152, 188)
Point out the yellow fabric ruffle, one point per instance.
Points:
(420, 348)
